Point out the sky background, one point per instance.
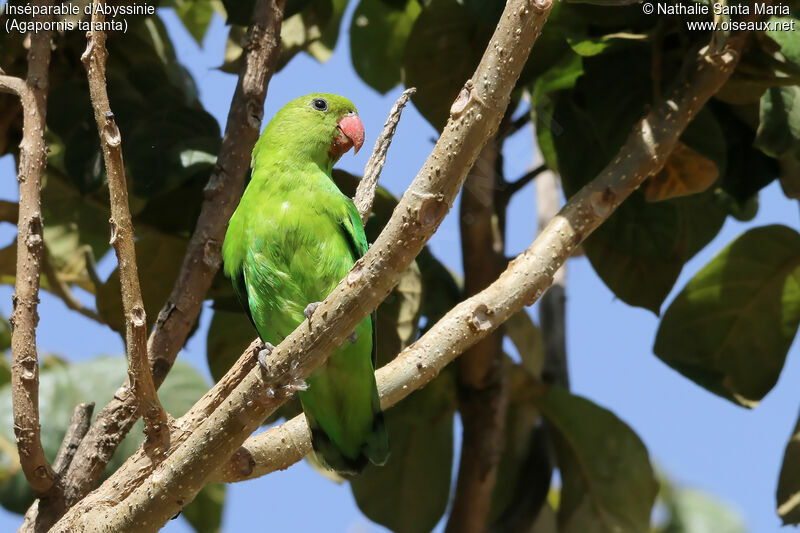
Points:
(699, 440)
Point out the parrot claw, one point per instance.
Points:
(297, 385)
(353, 337)
(263, 354)
(310, 308)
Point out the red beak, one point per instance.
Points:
(350, 134)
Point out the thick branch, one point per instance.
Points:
(526, 277)
(475, 116)
(25, 317)
(202, 258)
(365, 193)
(482, 385)
(122, 236)
(552, 313)
(48, 508)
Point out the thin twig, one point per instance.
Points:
(202, 258)
(62, 290)
(514, 187)
(122, 236)
(24, 318)
(514, 126)
(474, 117)
(76, 430)
(526, 277)
(365, 193)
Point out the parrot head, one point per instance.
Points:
(321, 126)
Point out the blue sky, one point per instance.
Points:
(696, 438)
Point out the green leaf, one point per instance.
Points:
(789, 481)
(640, 250)
(409, 493)
(196, 16)
(693, 511)
(748, 168)
(229, 334)
(5, 334)
(313, 30)
(779, 127)
(159, 258)
(608, 484)
(562, 75)
(61, 388)
(605, 2)
(525, 468)
(5, 369)
(788, 41)
(398, 315)
(730, 328)
(527, 339)
(442, 52)
(204, 513)
(378, 37)
(484, 11)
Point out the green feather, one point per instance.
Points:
(293, 237)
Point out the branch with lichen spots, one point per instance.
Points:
(24, 318)
(526, 277)
(365, 192)
(122, 237)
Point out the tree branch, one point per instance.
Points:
(552, 312)
(526, 277)
(513, 187)
(47, 509)
(202, 258)
(483, 394)
(25, 317)
(122, 236)
(365, 192)
(474, 117)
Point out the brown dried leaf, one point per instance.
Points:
(685, 172)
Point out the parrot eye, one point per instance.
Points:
(320, 104)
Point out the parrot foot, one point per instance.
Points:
(310, 308)
(296, 385)
(263, 354)
(353, 337)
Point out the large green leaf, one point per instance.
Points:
(748, 168)
(788, 503)
(693, 511)
(444, 48)
(5, 369)
(640, 250)
(787, 40)
(159, 258)
(779, 127)
(61, 388)
(525, 468)
(608, 483)
(204, 513)
(196, 15)
(409, 493)
(378, 37)
(730, 328)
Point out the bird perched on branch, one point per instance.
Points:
(293, 237)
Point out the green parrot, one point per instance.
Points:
(292, 238)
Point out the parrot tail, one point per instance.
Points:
(375, 448)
